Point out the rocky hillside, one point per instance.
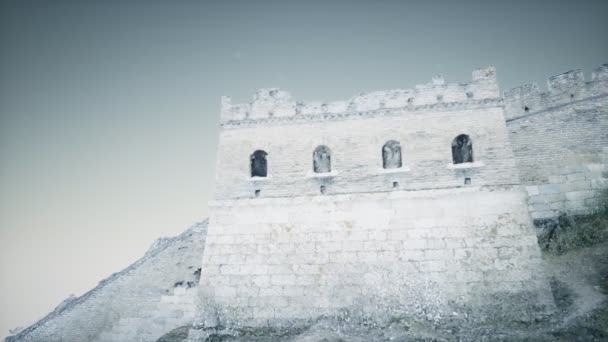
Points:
(149, 298)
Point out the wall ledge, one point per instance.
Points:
(461, 166)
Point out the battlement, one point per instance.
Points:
(273, 102)
(562, 89)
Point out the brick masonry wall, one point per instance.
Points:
(567, 135)
(280, 249)
(560, 144)
(356, 144)
(572, 189)
(269, 260)
(562, 89)
(139, 303)
(275, 103)
(175, 310)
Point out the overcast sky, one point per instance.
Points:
(109, 109)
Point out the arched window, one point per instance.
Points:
(321, 159)
(391, 155)
(462, 149)
(258, 164)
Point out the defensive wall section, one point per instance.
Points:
(418, 233)
(154, 295)
(424, 121)
(560, 141)
(414, 239)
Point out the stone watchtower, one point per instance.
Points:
(407, 200)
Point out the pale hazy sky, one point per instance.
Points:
(109, 109)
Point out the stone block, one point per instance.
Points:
(576, 186)
(437, 254)
(463, 253)
(544, 214)
(306, 269)
(579, 195)
(436, 244)
(293, 291)
(260, 280)
(281, 269)
(269, 291)
(283, 279)
(411, 255)
(557, 179)
(247, 291)
(532, 190)
(377, 235)
(370, 256)
(575, 177)
(263, 312)
(549, 189)
(546, 198)
(414, 244)
(597, 184)
(351, 246)
(540, 207)
(509, 252)
(387, 256)
(225, 291)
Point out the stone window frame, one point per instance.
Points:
(391, 144)
(470, 141)
(326, 149)
(401, 169)
(466, 165)
(259, 178)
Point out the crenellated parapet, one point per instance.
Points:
(562, 89)
(275, 103)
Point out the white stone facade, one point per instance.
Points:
(560, 142)
(276, 260)
(297, 244)
(355, 139)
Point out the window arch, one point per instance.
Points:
(391, 155)
(462, 149)
(259, 166)
(321, 159)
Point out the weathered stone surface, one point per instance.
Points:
(445, 234)
(370, 232)
(560, 142)
(151, 297)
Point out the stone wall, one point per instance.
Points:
(356, 138)
(424, 239)
(275, 105)
(272, 260)
(563, 89)
(295, 244)
(575, 189)
(560, 142)
(142, 302)
(175, 310)
(356, 154)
